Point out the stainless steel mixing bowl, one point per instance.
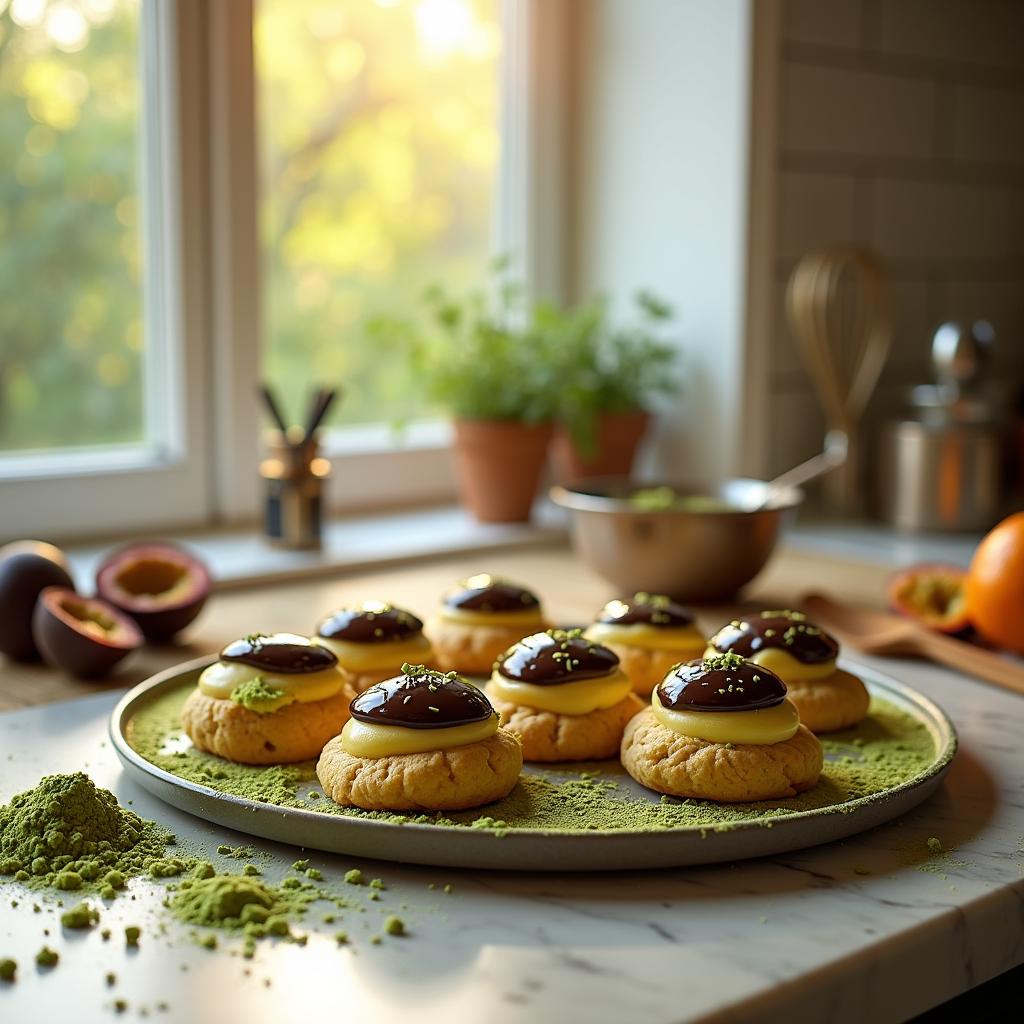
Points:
(703, 552)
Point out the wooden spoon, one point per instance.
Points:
(878, 633)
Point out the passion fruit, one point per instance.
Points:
(82, 635)
(26, 568)
(161, 586)
(933, 595)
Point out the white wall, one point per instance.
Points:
(660, 183)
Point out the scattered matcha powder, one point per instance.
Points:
(394, 925)
(80, 916)
(935, 845)
(132, 934)
(8, 969)
(354, 876)
(239, 903)
(47, 957)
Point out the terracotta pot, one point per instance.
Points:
(618, 436)
(499, 463)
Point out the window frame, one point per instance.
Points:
(203, 300)
(164, 480)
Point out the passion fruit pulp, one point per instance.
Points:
(933, 595)
(161, 586)
(82, 635)
(26, 568)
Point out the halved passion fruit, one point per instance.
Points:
(82, 635)
(933, 595)
(161, 586)
(26, 568)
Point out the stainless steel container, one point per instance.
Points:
(704, 551)
(940, 474)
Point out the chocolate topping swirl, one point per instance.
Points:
(723, 682)
(648, 609)
(784, 630)
(372, 622)
(422, 698)
(556, 656)
(485, 593)
(285, 653)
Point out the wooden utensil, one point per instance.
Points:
(840, 312)
(878, 633)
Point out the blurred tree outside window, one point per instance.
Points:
(378, 128)
(71, 337)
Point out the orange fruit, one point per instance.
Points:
(995, 585)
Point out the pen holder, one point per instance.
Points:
(293, 476)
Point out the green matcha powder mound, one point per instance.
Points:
(67, 833)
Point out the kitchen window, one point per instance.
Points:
(197, 196)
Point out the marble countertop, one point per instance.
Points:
(877, 927)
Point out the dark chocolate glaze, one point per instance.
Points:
(556, 656)
(785, 630)
(721, 683)
(373, 622)
(648, 609)
(486, 593)
(422, 699)
(284, 653)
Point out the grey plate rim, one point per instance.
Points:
(537, 849)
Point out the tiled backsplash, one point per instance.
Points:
(902, 127)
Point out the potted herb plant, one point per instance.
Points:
(477, 359)
(609, 377)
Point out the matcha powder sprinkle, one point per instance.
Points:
(69, 834)
(241, 903)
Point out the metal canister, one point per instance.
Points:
(939, 474)
(293, 475)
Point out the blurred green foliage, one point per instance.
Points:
(378, 128)
(379, 148)
(71, 335)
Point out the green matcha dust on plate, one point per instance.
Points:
(890, 747)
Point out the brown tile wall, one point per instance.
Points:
(902, 127)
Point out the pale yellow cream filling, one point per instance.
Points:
(784, 665)
(527, 618)
(655, 638)
(374, 739)
(765, 726)
(367, 657)
(221, 678)
(579, 698)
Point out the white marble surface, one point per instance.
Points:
(801, 937)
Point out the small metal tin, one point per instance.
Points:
(938, 474)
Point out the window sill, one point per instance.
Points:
(244, 558)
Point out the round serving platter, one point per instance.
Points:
(530, 849)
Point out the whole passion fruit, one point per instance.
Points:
(161, 586)
(933, 595)
(82, 635)
(26, 568)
